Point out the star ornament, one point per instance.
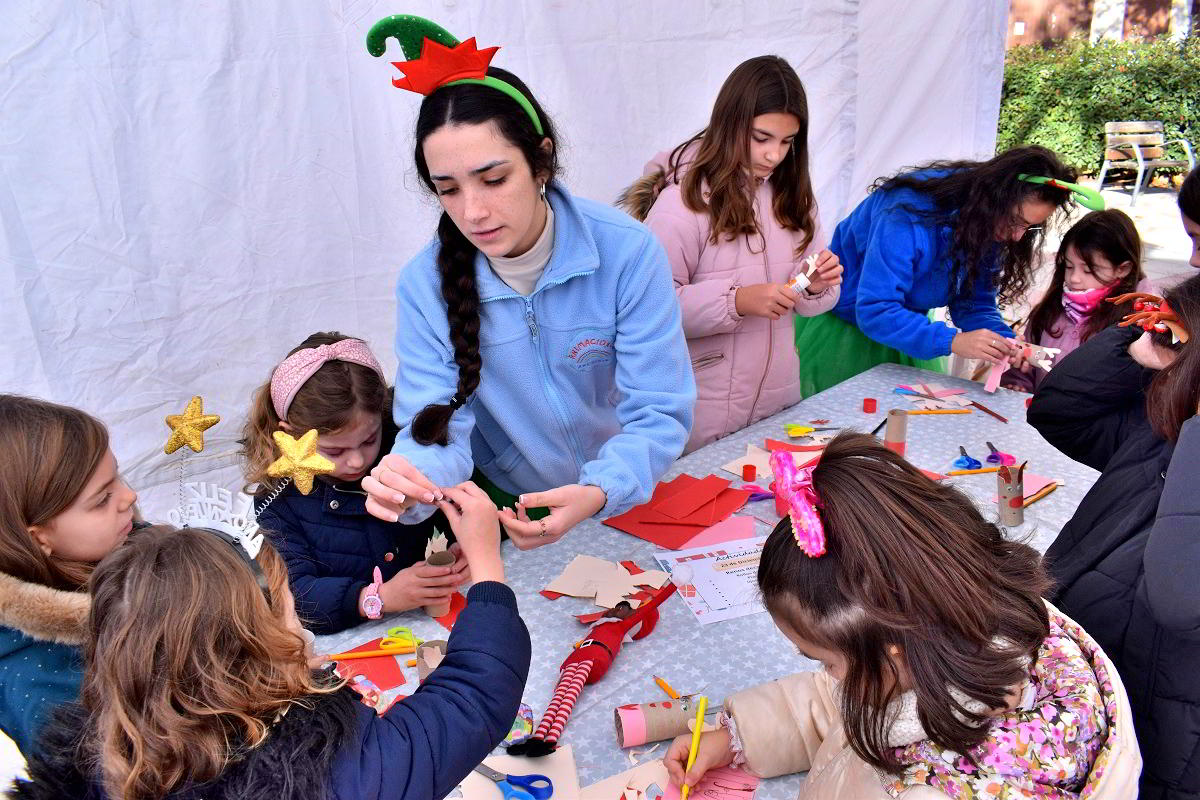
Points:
(299, 460)
(439, 65)
(189, 427)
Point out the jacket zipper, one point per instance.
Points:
(707, 360)
(770, 328)
(531, 321)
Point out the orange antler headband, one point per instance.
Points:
(436, 59)
(1152, 313)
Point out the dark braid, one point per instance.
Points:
(456, 263)
(471, 104)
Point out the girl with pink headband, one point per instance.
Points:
(344, 564)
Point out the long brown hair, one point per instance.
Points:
(187, 664)
(1110, 234)
(325, 403)
(910, 563)
(721, 165)
(472, 104)
(48, 454)
(973, 198)
(1174, 393)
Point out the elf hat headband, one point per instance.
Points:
(1088, 198)
(437, 59)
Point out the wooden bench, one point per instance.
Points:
(1141, 146)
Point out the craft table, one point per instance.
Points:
(720, 658)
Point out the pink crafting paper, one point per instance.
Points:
(1032, 484)
(726, 783)
(730, 530)
(995, 374)
(633, 725)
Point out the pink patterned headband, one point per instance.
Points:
(297, 368)
(795, 484)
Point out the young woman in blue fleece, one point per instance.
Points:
(334, 549)
(198, 684)
(951, 233)
(539, 338)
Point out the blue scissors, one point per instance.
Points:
(519, 787)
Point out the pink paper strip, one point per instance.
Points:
(994, 376)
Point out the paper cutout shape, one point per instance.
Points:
(457, 604)
(559, 767)
(646, 523)
(731, 530)
(385, 672)
(522, 726)
(773, 444)
(437, 544)
(641, 779)
(604, 582)
(189, 427)
(995, 374)
(724, 783)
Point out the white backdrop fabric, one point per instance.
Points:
(187, 190)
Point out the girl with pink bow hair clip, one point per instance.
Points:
(795, 485)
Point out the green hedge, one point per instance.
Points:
(1061, 97)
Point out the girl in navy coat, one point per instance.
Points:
(332, 383)
(198, 684)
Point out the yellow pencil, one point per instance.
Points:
(940, 411)
(666, 687)
(372, 653)
(973, 471)
(412, 662)
(701, 707)
(1041, 493)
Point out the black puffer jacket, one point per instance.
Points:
(1127, 565)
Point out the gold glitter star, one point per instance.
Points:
(299, 460)
(189, 427)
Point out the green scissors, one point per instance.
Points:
(1088, 198)
(401, 639)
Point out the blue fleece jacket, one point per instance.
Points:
(587, 380)
(898, 267)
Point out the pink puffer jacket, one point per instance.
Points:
(746, 367)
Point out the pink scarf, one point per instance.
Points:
(1078, 305)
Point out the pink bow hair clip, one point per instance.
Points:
(795, 484)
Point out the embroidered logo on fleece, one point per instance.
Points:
(592, 349)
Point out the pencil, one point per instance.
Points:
(372, 653)
(973, 471)
(987, 410)
(1040, 494)
(666, 687)
(940, 411)
(701, 707)
(412, 662)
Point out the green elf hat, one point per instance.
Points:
(437, 59)
(1088, 198)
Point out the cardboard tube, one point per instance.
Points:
(653, 722)
(896, 432)
(1010, 497)
(443, 558)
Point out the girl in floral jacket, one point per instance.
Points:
(943, 671)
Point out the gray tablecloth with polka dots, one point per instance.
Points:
(721, 658)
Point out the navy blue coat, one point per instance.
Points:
(1126, 563)
(419, 750)
(331, 545)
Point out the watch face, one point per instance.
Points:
(372, 606)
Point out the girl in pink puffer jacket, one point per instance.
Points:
(734, 208)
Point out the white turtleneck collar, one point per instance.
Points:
(522, 272)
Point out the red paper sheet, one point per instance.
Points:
(386, 672)
(773, 445)
(690, 499)
(647, 523)
(457, 604)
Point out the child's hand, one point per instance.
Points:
(715, 751)
(828, 273)
(394, 486)
(984, 344)
(476, 525)
(419, 585)
(770, 300)
(569, 505)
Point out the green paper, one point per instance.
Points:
(1088, 198)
